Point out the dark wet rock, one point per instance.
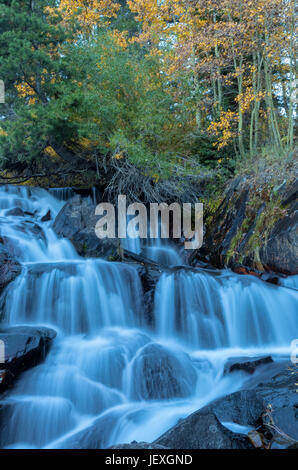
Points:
(76, 221)
(272, 401)
(9, 267)
(149, 276)
(202, 430)
(46, 217)
(246, 365)
(250, 233)
(75, 216)
(16, 211)
(280, 395)
(280, 253)
(257, 439)
(158, 373)
(94, 436)
(89, 245)
(137, 445)
(243, 407)
(30, 214)
(270, 277)
(24, 347)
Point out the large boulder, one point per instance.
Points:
(271, 406)
(280, 253)
(9, 267)
(202, 430)
(94, 436)
(76, 221)
(22, 347)
(256, 226)
(244, 408)
(158, 373)
(16, 212)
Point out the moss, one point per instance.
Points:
(266, 220)
(272, 212)
(210, 207)
(232, 251)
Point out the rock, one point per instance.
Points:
(24, 347)
(280, 253)
(157, 373)
(149, 275)
(94, 436)
(255, 229)
(271, 406)
(16, 211)
(244, 407)
(279, 396)
(76, 215)
(137, 445)
(9, 267)
(31, 214)
(76, 221)
(271, 278)
(257, 439)
(246, 365)
(202, 430)
(265, 276)
(89, 245)
(46, 217)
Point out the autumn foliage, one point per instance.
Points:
(171, 85)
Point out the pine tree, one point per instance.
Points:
(33, 68)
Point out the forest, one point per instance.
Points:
(145, 94)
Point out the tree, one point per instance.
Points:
(78, 98)
(236, 54)
(34, 69)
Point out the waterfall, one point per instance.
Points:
(220, 309)
(22, 229)
(75, 296)
(62, 194)
(109, 377)
(291, 282)
(158, 250)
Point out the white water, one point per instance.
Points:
(106, 366)
(158, 250)
(214, 310)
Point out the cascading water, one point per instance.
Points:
(214, 310)
(291, 282)
(107, 373)
(62, 194)
(158, 249)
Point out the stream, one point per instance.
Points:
(106, 365)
